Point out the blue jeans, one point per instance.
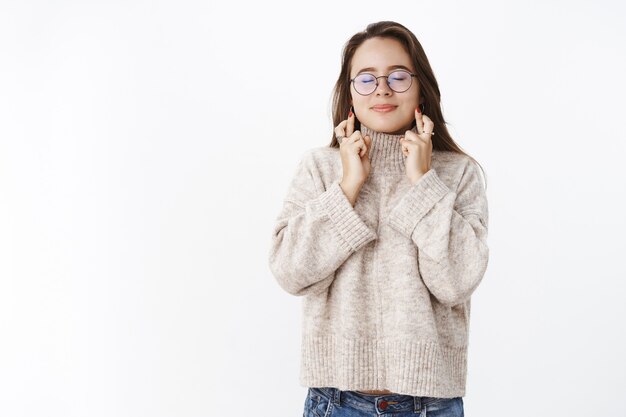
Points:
(332, 402)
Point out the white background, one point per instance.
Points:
(145, 148)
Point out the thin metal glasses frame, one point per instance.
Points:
(382, 76)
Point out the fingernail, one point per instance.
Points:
(350, 113)
(418, 109)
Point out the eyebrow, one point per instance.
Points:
(390, 67)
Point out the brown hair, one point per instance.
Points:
(429, 89)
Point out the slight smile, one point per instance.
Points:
(384, 109)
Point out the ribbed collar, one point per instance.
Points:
(386, 155)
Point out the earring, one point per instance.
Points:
(422, 107)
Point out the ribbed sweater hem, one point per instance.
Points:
(411, 367)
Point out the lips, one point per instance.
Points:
(384, 108)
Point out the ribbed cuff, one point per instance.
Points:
(420, 198)
(351, 227)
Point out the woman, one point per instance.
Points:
(384, 234)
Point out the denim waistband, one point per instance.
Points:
(381, 403)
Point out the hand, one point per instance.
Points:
(418, 148)
(355, 153)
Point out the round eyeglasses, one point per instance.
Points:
(399, 81)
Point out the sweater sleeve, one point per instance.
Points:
(314, 233)
(450, 231)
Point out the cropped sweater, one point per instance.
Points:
(386, 284)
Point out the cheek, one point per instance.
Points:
(359, 104)
(415, 93)
(413, 101)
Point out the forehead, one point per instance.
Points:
(379, 55)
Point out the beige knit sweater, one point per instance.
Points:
(386, 284)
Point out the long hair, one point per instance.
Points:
(429, 88)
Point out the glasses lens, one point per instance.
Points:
(365, 84)
(399, 81)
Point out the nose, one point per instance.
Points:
(383, 87)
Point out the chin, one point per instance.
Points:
(383, 126)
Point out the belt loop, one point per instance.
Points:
(418, 404)
(337, 396)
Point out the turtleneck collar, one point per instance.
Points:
(386, 155)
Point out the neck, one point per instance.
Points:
(386, 155)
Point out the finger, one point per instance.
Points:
(411, 144)
(412, 136)
(358, 142)
(365, 141)
(340, 130)
(428, 124)
(405, 147)
(350, 125)
(368, 143)
(419, 122)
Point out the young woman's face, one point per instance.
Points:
(378, 56)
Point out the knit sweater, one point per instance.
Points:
(386, 284)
